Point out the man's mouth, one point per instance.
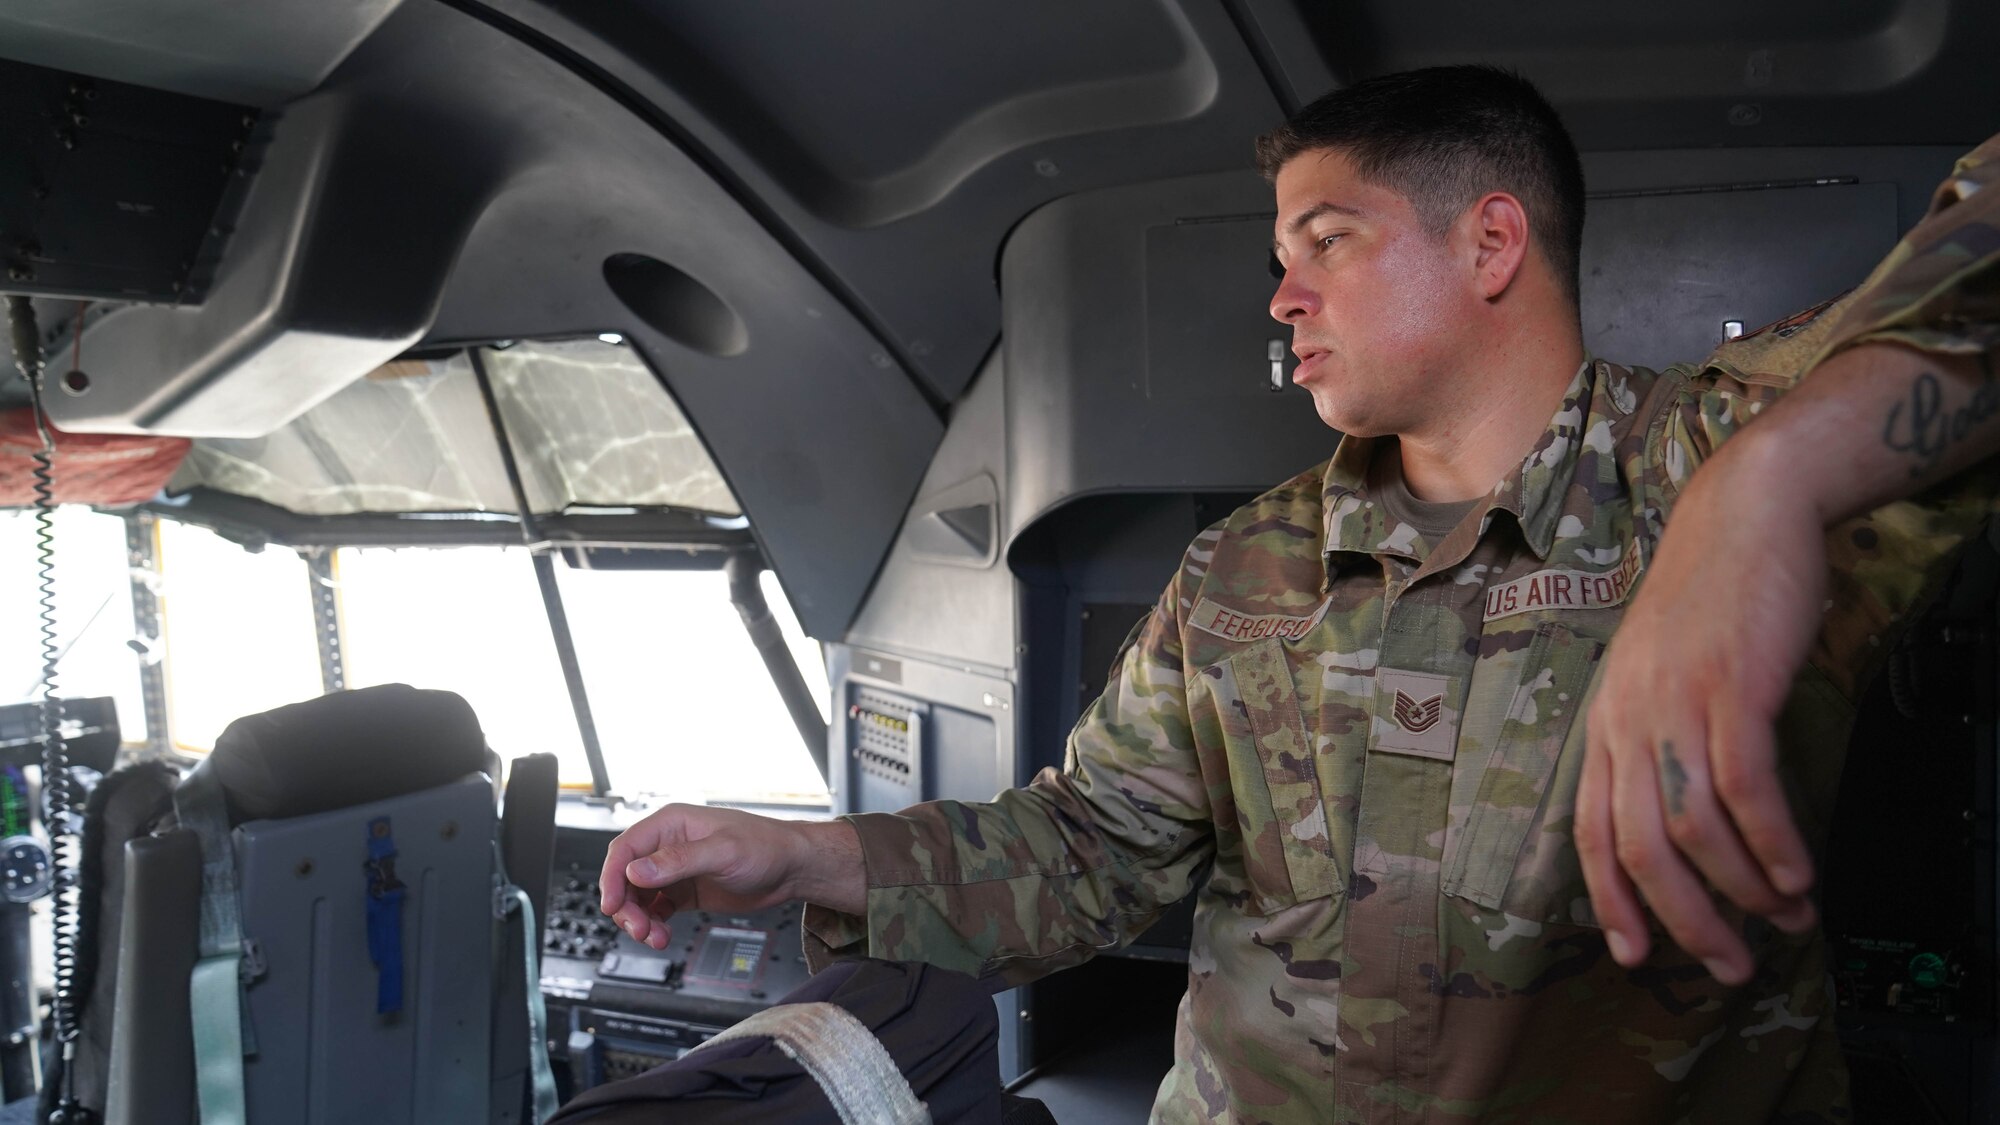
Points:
(1309, 359)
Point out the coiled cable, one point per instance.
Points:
(58, 801)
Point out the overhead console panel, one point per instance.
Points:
(113, 191)
(335, 267)
(455, 180)
(260, 54)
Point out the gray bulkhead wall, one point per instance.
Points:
(942, 594)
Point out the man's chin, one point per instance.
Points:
(1350, 422)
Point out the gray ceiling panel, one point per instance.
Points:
(964, 84)
(898, 142)
(1692, 74)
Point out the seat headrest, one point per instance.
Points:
(345, 749)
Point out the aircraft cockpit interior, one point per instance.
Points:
(438, 435)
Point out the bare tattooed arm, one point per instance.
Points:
(1932, 415)
(1680, 790)
(1926, 427)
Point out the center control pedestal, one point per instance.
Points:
(616, 1007)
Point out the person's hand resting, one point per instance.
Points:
(689, 857)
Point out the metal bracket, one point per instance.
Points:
(252, 966)
(326, 618)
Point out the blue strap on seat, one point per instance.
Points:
(385, 917)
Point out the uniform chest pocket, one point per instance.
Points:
(1510, 845)
(1287, 849)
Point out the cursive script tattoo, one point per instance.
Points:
(1674, 777)
(1924, 428)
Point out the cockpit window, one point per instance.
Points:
(591, 426)
(682, 703)
(463, 619)
(94, 636)
(238, 631)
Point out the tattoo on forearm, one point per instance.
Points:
(1924, 428)
(1674, 777)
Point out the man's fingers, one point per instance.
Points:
(660, 906)
(667, 826)
(644, 915)
(1746, 781)
(1663, 876)
(1698, 826)
(611, 879)
(1611, 896)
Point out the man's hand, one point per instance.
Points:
(687, 857)
(1680, 790)
(1679, 779)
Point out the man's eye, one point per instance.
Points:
(1328, 240)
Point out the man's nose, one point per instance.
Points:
(1294, 301)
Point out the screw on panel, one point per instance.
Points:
(1746, 113)
(304, 869)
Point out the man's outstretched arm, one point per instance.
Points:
(1034, 880)
(1680, 789)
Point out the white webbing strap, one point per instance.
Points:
(844, 1057)
(215, 989)
(541, 1079)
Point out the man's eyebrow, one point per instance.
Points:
(1324, 207)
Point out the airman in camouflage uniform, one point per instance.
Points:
(1357, 741)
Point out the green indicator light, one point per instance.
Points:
(1927, 970)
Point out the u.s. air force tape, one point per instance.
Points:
(1567, 589)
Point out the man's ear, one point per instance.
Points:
(1499, 236)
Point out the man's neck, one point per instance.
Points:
(1514, 399)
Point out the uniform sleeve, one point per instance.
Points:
(1937, 291)
(1044, 876)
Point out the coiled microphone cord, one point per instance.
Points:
(58, 802)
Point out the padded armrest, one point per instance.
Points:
(527, 847)
(152, 1044)
(528, 827)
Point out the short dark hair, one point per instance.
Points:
(1444, 136)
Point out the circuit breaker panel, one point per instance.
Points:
(885, 748)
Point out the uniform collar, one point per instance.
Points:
(1532, 494)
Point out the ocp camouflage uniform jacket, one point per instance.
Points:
(1360, 750)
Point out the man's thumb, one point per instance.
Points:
(651, 870)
